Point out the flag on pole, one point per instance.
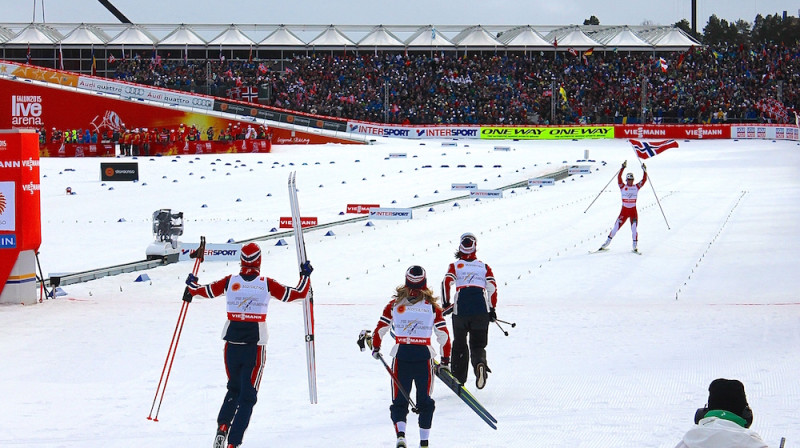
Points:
(645, 150)
(28, 55)
(111, 59)
(572, 51)
(221, 56)
(123, 52)
(60, 57)
(250, 56)
(94, 63)
(186, 55)
(555, 42)
(563, 93)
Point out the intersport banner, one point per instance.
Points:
(421, 132)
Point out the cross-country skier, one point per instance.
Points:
(473, 307)
(245, 334)
(630, 192)
(414, 316)
(724, 421)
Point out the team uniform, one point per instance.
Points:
(473, 307)
(414, 319)
(629, 195)
(248, 296)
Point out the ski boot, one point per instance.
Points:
(481, 373)
(401, 442)
(222, 435)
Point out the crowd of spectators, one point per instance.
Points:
(700, 85)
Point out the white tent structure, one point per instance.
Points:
(232, 37)
(5, 34)
(620, 38)
(428, 37)
(572, 37)
(36, 34)
(181, 36)
(134, 35)
(86, 35)
(331, 37)
(476, 36)
(524, 37)
(380, 37)
(282, 37)
(669, 39)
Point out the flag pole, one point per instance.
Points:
(641, 165)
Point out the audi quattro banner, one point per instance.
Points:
(135, 91)
(546, 133)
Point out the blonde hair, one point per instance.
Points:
(403, 292)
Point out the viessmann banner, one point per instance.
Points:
(546, 133)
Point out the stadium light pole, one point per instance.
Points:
(552, 99)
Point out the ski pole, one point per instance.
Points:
(501, 328)
(654, 193)
(513, 324)
(601, 192)
(176, 336)
(399, 386)
(783, 442)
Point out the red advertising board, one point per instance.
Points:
(286, 222)
(361, 208)
(35, 105)
(675, 131)
(20, 205)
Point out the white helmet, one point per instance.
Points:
(629, 176)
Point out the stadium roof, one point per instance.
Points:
(301, 37)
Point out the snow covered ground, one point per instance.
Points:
(610, 350)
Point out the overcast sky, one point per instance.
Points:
(408, 12)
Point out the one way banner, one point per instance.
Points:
(645, 150)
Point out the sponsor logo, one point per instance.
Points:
(287, 222)
(31, 187)
(644, 132)
(223, 107)
(3, 144)
(542, 181)
(135, 91)
(30, 163)
(236, 286)
(487, 193)
(10, 164)
(26, 110)
(553, 133)
(761, 132)
(360, 208)
(390, 213)
(469, 186)
(740, 132)
(446, 132)
(779, 133)
(8, 241)
(704, 132)
(3, 204)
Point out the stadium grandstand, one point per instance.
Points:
(434, 74)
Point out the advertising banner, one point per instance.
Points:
(714, 131)
(119, 171)
(398, 155)
(77, 150)
(390, 213)
(541, 181)
(773, 132)
(362, 209)
(417, 132)
(493, 194)
(20, 204)
(214, 252)
(546, 133)
(285, 222)
(467, 186)
(579, 169)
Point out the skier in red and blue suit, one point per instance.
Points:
(414, 316)
(630, 193)
(245, 333)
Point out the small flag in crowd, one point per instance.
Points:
(28, 55)
(645, 150)
(249, 94)
(572, 51)
(94, 63)
(663, 64)
(563, 93)
(589, 52)
(111, 59)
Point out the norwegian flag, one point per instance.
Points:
(645, 150)
(572, 51)
(234, 93)
(250, 94)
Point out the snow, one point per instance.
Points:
(609, 350)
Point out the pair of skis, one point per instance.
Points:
(447, 378)
(308, 303)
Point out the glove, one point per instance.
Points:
(191, 280)
(644, 167)
(444, 364)
(492, 315)
(624, 164)
(306, 269)
(364, 340)
(376, 353)
(187, 296)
